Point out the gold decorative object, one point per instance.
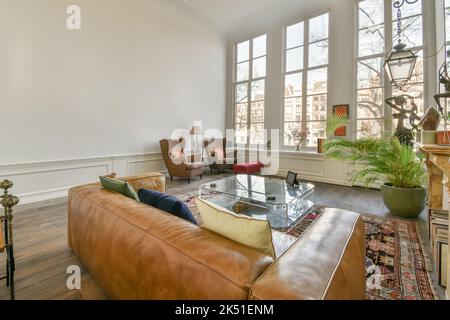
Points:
(402, 113)
(8, 201)
(5, 185)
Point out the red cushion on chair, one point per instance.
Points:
(247, 168)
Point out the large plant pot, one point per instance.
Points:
(402, 202)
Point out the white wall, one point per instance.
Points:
(135, 71)
(132, 74)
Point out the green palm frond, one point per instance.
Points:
(384, 159)
(335, 122)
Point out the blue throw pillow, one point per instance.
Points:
(167, 203)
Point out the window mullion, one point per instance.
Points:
(388, 43)
(370, 57)
(305, 77)
(234, 95)
(357, 37)
(249, 92)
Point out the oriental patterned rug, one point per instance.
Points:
(397, 267)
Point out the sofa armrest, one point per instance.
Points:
(153, 180)
(326, 263)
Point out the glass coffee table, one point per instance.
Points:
(262, 198)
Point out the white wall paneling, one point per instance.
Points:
(309, 166)
(51, 179)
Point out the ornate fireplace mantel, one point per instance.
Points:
(438, 162)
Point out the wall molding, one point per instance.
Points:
(25, 172)
(43, 195)
(315, 178)
(45, 180)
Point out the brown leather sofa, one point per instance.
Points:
(135, 251)
(177, 163)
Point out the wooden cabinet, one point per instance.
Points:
(438, 162)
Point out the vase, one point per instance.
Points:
(320, 145)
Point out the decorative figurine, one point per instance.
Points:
(399, 104)
(431, 120)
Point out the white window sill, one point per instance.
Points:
(290, 153)
(303, 153)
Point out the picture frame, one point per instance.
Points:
(291, 178)
(341, 110)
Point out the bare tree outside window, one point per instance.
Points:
(371, 53)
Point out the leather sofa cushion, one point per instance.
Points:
(119, 186)
(327, 262)
(166, 203)
(153, 180)
(242, 229)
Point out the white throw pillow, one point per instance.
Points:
(242, 229)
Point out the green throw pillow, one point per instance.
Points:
(119, 186)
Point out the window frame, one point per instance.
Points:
(248, 82)
(389, 21)
(446, 24)
(304, 76)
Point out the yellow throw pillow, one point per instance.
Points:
(242, 229)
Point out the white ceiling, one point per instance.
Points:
(233, 15)
(225, 12)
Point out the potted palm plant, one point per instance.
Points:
(386, 160)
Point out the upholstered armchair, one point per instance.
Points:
(219, 158)
(177, 163)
